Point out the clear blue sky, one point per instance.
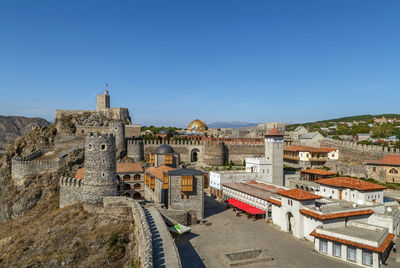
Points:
(173, 61)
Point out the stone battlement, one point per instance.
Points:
(71, 191)
(73, 182)
(354, 145)
(190, 142)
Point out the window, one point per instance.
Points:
(374, 169)
(90, 146)
(337, 250)
(351, 253)
(323, 246)
(103, 160)
(393, 171)
(104, 174)
(103, 147)
(367, 258)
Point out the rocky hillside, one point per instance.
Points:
(11, 127)
(35, 232)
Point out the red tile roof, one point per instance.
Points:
(299, 194)
(275, 202)
(335, 215)
(381, 249)
(388, 160)
(274, 132)
(158, 172)
(351, 183)
(129, 167)
(301, 148)
(322, 172)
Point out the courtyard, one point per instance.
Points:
(225, 232)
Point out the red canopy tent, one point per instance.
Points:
(245, 207)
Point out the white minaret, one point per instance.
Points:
(274, 153)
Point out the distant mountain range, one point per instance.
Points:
(11, 127)
(234, 124)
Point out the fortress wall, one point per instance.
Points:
(350, 152)
(346, 169)
(112, 113)
(22, 169)
(63, 142)
(238, 152)
(143, 234)
(71, 191)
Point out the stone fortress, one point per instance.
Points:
(182, 189)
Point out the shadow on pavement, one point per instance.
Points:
(212, 206)
(187, 253)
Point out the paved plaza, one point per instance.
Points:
(206, 244)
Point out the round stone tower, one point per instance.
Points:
(136, 150)
(118, 130)
(100, 168)
(214, 153)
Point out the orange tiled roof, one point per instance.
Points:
(382, 248)
(351, 183)
(129, 167)
(274, 132)
(275, 202)
(301, 148)
(318, 172)
(80, 173)
(299, 194)
(387, 160)
(158, 172)
(335, 215)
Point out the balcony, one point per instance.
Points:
(318, 159)
(289, 157)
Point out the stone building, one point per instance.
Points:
(130, 179)
(165, 155)
(387, 169)
(176, 189)
(100, 178)
(311, 139)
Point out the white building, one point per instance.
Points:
(307, 156)
(338, 219)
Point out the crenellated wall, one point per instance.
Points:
(71, 191)
(353, 152)
(214, 153)
(25, 167)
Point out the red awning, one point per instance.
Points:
(245, 207)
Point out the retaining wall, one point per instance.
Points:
(142, 228)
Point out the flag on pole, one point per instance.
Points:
(106, 84)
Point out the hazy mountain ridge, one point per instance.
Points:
(233, 124)
(11, 127)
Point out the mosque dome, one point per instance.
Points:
(197, 124)
(164, 149)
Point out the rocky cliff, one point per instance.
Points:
(11, 127)
(35, 232)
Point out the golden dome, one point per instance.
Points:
(197, 125)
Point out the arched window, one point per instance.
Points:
(393, 171)
(137, 177)
(126, 177)
(127, 187)
(136, 186)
